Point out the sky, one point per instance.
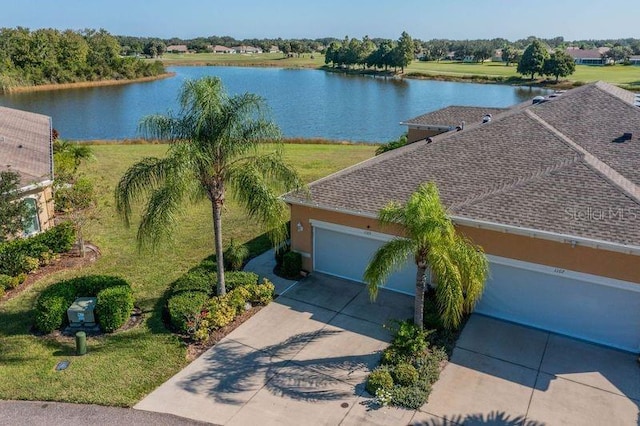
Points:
(423, 19)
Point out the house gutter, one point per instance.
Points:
(573, 240)
(35, 186)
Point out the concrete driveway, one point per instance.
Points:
(301, 360)
(505, 374)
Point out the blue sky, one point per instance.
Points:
(454, 19)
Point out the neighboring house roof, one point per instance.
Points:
(561, 166)
(25, 145)
(585, 53)
(452, 116)
(219, 48)
(177, 48)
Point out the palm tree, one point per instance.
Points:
(218, 146)
(458, 267)
(77, 152)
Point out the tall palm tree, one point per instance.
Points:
(218, 146)
(457, 267)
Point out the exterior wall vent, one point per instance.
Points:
(637, 101)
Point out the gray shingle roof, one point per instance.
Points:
(550, 167)
(451, 116)
(25, 145)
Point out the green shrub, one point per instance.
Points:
(195, 280)
(5, 281)
(291, 264)
(59, 239)
(280, 252)
(380, 378)
(404, 374)
(184, 309)
(238, 298)
(390, 146)
(219, 312)
(261, 294)
(412, 397)
(409, 341)
(51, 306)
(235, 255)
(239, 279)
(17, 256)
(113, 307)
(30, 264)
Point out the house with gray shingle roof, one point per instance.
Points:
(550, 190)
(446, 120)
(26, 148)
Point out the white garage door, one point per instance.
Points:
(588, 307)
(345, 252)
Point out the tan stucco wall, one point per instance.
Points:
(44, 197)
(414, 135)
(560, 255)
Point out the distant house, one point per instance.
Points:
(26, 148)
(177, 48)
(634, 60)
(274, 49)
(222, 49)
(589, 56)
(445, 120)
(246, 49)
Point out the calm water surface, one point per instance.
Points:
(305, 103)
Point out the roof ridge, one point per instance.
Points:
(614, 91)
(519, 181)
(609, 173)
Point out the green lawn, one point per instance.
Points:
(262, 59)
(120, 369)
(618, 74)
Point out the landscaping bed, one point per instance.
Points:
(412, 363)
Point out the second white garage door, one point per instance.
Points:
(588, 307)
(345, 252)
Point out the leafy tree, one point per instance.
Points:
(559, 64)
(78, 203)
(482, 51)
(217, 147)
(533, 58)
(403, 52)
(458, 267)
(332, 55)
(13, 212)
(509, 54)
(619, 53)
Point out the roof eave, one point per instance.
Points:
(573, 240)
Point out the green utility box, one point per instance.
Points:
(80, 313)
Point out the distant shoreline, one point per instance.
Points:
(289, 141)
(85, 84)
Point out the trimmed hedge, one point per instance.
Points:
(113, 306)
(291, 264)
(23, 255)
(380, 378)
(184, 309)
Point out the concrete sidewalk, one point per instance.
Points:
(263, 265)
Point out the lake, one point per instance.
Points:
(305, 103)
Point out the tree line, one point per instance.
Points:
(46, 56)
(367, 54)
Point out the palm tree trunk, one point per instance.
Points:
(418, 314)
(217, 236)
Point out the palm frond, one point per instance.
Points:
(390, 257)
(159, 218)
(143, 176)
(449, 294)
(261, 203)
